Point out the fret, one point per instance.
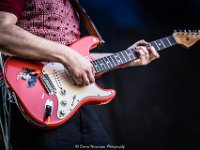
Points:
(106, 62)
(123, 60)
(172, 40)
(132, 51)
(162, 43)
(103, 64)
(125, 56)
(154, 45)
(169, 41)
(159, 44)
(117, 58)
(166, 43)
(100, 64)
(112, 61)
(158, 48)
(96, 66)
(130, 54)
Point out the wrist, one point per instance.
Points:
(62, 55)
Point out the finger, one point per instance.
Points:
(78, 80)
(141, 54)
(141, 43)
(144, 49)
(85, 80)
(153, 52)
(93, 71)
(91, 77)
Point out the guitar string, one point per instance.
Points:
(63, 72)
(61, 77)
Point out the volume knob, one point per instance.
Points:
(64, 102)
(63, 92)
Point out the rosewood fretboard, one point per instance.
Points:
(125, 56)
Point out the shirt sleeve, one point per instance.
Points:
(12, 6)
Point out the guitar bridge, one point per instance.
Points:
(50, 88)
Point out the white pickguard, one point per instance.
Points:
(68, 94)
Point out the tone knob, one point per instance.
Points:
(63, 92)
(64, 102)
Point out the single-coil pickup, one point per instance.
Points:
(62, 77)
(58, 77)
(70, 78)
(48, 84)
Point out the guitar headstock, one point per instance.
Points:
(187, 38)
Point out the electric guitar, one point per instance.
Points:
(47, 95)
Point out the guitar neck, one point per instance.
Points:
(110, 62)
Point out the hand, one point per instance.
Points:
(79, 67)
(146, 54)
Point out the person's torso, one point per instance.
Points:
(52, 19)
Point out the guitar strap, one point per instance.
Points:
(5, 108)
(87, 22)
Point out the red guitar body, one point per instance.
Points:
(45, 93)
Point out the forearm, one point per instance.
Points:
(16, 41)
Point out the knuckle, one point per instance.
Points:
(144, 63)
(92, 80)
(152, 48)
(141, 48)
(88, 68)
(76, 75)
(142, 40)
(79, 75)
(146, 51)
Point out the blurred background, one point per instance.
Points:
(157, 106)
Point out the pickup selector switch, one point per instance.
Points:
(62, 112)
